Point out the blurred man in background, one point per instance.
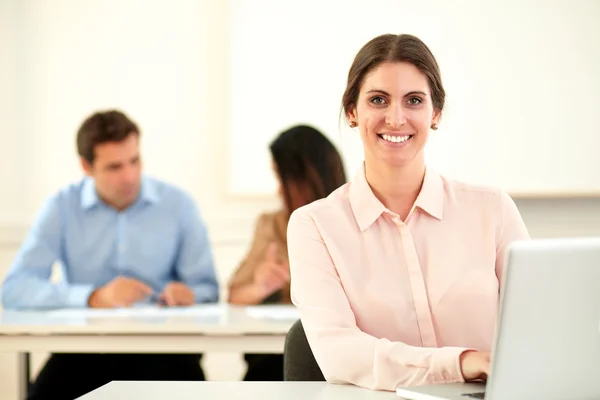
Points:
(123, 239)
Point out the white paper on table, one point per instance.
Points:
(140, 311)
(282, 312)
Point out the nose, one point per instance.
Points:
(395, 116)
(129, 175)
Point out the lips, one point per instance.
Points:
(395, 138)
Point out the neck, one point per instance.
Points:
(119, 207)
(397, 187)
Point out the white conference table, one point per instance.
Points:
(234, 390)
(150, 329)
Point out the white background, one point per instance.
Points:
(521, 79)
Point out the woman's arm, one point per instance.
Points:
(510, 229)
(260, 262)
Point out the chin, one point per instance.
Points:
(128, 199)
(397, 162)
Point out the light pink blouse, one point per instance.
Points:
(386, 303)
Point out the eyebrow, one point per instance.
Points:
(407, 94)
(114, 165)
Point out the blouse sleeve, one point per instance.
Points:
(511, 228)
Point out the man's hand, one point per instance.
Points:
(120, 292)
(177, 294)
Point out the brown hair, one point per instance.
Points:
(305, 157)
(393, 48)
(102, 127)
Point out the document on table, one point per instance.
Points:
(278, 312)
(214, 310)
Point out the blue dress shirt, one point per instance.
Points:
(158, 239)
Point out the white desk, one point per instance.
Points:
(198, 329)
(233, 390)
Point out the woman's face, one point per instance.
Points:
(394, 113)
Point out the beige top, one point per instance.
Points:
(270, 227)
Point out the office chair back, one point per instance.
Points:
(299, 363)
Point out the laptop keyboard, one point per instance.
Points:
(477, 395)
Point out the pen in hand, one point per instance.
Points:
(156, 298)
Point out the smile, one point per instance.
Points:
(395, 139)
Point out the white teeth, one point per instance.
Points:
(396, 139)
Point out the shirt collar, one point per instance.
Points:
(149, 191)
(367, 207)
(89, 196)
(431, 196)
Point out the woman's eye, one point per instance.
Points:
(414, 101)
(377, 100)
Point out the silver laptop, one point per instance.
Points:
(547, 342)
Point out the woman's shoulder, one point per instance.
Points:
(328, 214)
(267, 221)
(472, 190)
(338, 200)
(270, 216)
(478, 197)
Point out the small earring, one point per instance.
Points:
(434, 127)
(352, 124)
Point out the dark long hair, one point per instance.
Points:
(306, 158)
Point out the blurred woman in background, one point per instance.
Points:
(308, 167)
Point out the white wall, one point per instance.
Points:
(512, 70)
(12, 140)
(47, 88)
